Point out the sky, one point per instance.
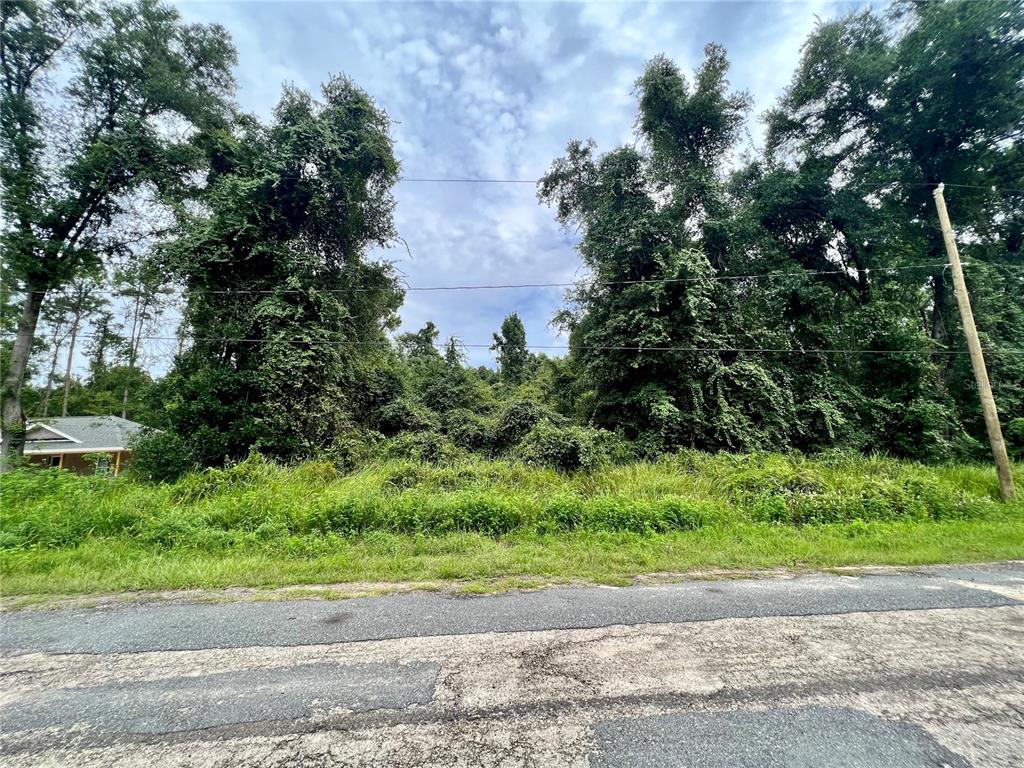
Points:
(496, 91)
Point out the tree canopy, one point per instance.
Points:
(282, 304)
(790, 297)
(142, 87)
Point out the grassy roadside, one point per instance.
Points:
(491, 522)
(103, 565)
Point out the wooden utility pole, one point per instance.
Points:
(988, 403)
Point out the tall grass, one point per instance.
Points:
(258, 503)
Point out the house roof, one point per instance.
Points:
(79, 434)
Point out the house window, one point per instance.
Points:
(55, 461)
(103, 465)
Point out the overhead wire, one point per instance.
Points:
(540, 285)
(850, 272)
(594, 348)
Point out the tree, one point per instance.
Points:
(106, 343)
(883, 108)
(102, 394)
(54, 315)
(513, 356)
(454, 354)
(656, 340)
(282, 304)
(144, 88)
(419, 344)
(143, 287)
(83, 301)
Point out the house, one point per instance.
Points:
(65, 442)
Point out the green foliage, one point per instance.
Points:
(516, 419)
(130, 61)
(421, 344)
(514, 359)
(882, 97)
(727, 304)
(429, 488)
(1015, 438)
(404, 415)
(663, 349)
(469, 430)
(161, 457)
(650, 330)
(87, 93)
(565, 448)
(431, 447)
(293, 206)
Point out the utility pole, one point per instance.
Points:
(988, 403)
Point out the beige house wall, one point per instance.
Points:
(75, 462)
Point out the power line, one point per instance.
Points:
(851, 272)
(495, 286)
(653, 281)
(593, 348)
(862, 185)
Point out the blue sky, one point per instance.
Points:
(496, 90)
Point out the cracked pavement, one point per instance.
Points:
(886, 668)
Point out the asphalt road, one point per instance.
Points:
(885, 669)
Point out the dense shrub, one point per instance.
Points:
(405, 415)
(429, 446)
(566, 449)
(161, 457)
(469, 430)
(354, 448)
(517, 419)
(1015, 439)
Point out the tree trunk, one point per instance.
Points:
(71, 357)
(57, 343)
(12, 417)
(133, 352)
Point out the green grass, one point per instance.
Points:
(491, 522)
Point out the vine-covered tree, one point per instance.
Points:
(73, 150)
(281, 301)
(651, 329)
(513, 356)
(419, 344)
(882, 108)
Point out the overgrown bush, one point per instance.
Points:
(566, 449)
(161, 457)
(428, 446)
(354, 448)
(405, 415)
(469, 430)
(517, 419)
